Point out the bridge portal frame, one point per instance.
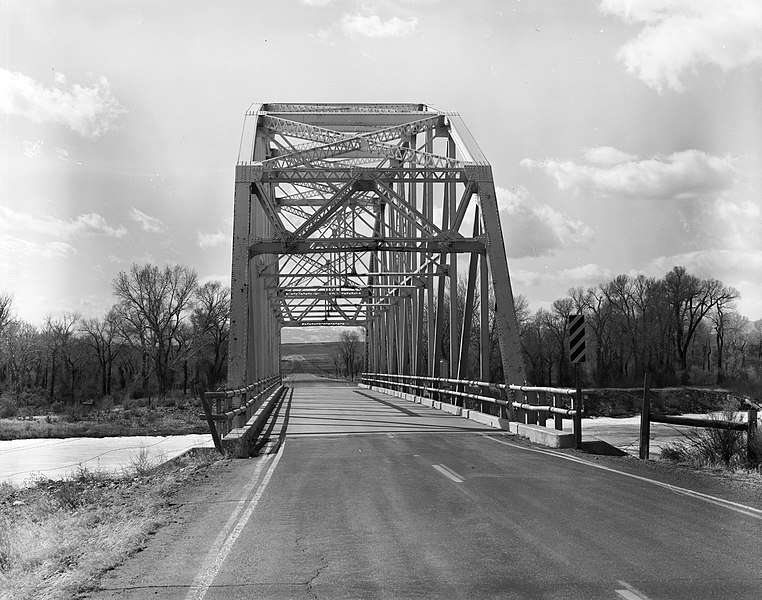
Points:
(364, 214)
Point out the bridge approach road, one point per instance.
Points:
(373, 497)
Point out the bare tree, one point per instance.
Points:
(690, 299)
(724, 303)
(59, 335)
(154, 302)
(6, 310)
(211, 329)
(350, 351)
(21, 347)
(101, 336)
(6, 307)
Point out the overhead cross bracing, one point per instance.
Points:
(366, 214)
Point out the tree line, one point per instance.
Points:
(164, 332)
(681, 328)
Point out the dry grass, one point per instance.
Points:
(162, 420)
(57, 538)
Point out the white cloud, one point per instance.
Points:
(14, 249)
(373, 26)
(590, 274)
(225, 279)
(737, 268)
(318, 3)
(90, 111)
(210, 240)
(85, 224)
(533, 229)
(689, 174)
(680, 35)
(608, 156)
(324, 36)
(523, 278)
(147, 223)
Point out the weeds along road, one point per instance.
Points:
(371, 497)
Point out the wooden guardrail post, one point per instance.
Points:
(645, 419)
(531, 415)
(558, 419)
(209, 419)
(578, 417)
(751, 443)
(542, 417)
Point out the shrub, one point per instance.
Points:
(711, 446)
(8, 408)
(134, 403)
(675, 452)
(721, 445)
(74, 412)
(105, 403)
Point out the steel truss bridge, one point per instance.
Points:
(367, 215)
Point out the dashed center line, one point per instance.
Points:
(449, 473)
(630, 593)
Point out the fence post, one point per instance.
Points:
(531, 415)
(521, 414)
(558, 420)
(502, 394)
(751, 446)
(645, 418)
(209, 420)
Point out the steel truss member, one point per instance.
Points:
(365, 214)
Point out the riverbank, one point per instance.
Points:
(58, 537)
(23, 462)
(113, 422)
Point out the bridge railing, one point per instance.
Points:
(525, 404)
(225, 410)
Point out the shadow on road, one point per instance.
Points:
(601, 448)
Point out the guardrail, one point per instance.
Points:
(223, 417)
(525, 404)
(646, 418)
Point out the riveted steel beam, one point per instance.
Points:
(353, 214)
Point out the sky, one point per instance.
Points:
(624, 136)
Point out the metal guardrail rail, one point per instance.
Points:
(223, 417)
(526, 404)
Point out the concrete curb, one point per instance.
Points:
(238, 441)
(537, 434)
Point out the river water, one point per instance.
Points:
(23, 461)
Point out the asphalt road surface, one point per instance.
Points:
(374, 497)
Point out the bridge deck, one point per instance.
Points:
(320, 407)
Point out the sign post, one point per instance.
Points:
(576, 356)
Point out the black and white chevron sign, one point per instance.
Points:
(577, 338)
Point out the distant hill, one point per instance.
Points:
(311, 335)
(315, 358)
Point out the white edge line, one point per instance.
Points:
(749, 511)
(233, 528)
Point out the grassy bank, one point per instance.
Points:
(110, 422)
(58, 537)
(617, 402)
